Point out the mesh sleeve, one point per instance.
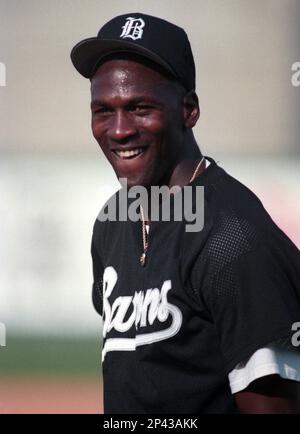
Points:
(97, 290)
(253, 294)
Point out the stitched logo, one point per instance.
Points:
(140, 310)
(133, 28)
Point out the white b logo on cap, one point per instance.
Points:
(133, 28)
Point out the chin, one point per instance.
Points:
(132, 182)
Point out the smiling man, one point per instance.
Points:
(193, 322)
(136, 119)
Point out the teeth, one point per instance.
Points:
(129, 154)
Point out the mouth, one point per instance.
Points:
(129, 154)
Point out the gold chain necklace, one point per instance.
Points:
(144, 230)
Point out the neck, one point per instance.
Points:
(183, 170)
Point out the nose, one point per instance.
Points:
(122, 126)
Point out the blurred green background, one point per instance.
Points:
(54, 356)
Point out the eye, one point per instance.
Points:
(142, 109)
(101, 110)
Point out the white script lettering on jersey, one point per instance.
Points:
(133, 28)
(143, 309)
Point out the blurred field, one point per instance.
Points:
(34, 395)
(50, 376)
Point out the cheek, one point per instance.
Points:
(167, 131)
(98, 129)
(155, 128)
(156, 123)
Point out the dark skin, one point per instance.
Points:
(270, 394)
(137, 109)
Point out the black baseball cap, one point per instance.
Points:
(162, 42)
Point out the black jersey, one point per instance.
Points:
(204, 301)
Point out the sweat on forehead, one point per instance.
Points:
(137, 58)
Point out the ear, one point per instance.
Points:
(191, 109)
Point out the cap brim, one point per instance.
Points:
(87, 54)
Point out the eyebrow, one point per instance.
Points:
(98, 102)
(132, 101)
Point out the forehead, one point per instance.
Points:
(127, 76)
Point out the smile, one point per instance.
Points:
(130, 154)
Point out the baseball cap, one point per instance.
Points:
(156, 39)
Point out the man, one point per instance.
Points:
(194, 322)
